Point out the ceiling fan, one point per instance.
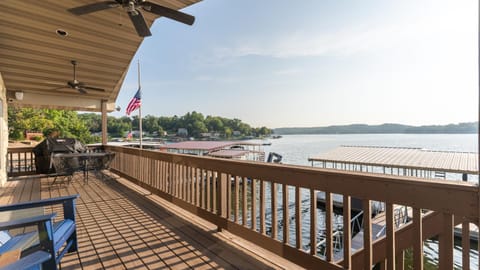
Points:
(133, 7)
(77, 85)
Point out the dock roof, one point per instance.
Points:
(409, 158)
(230, 153)
(205, 145)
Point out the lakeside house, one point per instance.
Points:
(154, 210)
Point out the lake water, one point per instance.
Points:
(296, 149)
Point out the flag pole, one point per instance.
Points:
(140, 108)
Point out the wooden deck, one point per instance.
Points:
(122, 226)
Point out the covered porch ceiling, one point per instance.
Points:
(36, 59)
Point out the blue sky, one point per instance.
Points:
(280, 63)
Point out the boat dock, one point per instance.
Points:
(415, 162)
(412, 162)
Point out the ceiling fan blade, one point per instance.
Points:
(81, 90)
(81, 10)
(72, 84)
(94, 88)
(61, 87)
(139, 23)
(169, 13)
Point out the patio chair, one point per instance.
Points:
(51, 237)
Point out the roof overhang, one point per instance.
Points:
(36, 60)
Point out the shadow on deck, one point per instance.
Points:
(121, 226)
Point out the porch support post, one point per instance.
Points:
(3, 132)
(104, 122)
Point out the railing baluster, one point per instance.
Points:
(202, 192)
(313, 222)
(222, 196)
(445, 244)
(179, 179)
(184, 183)
(273, 189)
(298, 218)
(214, 192)
(417, 239)
(367, 234)
(244, 201)
(192, 185)
(209, 187)
(329, 227)
(253, 213)
(176, 179)
(465, 245)
(347, 230)
(161, 174)
(24, 160)
(171, 179)
(197, 187)
(11, 162)
(237, 198)
(390, 222)
(286, 215)
(262, 207)
(229, 196)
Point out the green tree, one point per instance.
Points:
(227, 132)
(150, 124)
(93, 121)
(66, 122)
(214, 123)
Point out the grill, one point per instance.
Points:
(45, 150)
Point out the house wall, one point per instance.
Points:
(3, 132)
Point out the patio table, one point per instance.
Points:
(69, 163)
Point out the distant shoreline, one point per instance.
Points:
(461, 128)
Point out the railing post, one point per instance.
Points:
(445, 240)
(222, 198)
(367, 234)
(390, 222)
(417, 239)
(347, 233)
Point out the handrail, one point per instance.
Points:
(20, 161)
(203, 186)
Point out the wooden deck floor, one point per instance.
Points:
(121, 226)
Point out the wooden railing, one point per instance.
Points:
(20, 161)
(237, 196)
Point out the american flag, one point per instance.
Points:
(135, 103)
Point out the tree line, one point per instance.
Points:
(460, 128)
(87, 126)
(195, 124)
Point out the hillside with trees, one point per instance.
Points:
(88, 126)
(470, 127)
